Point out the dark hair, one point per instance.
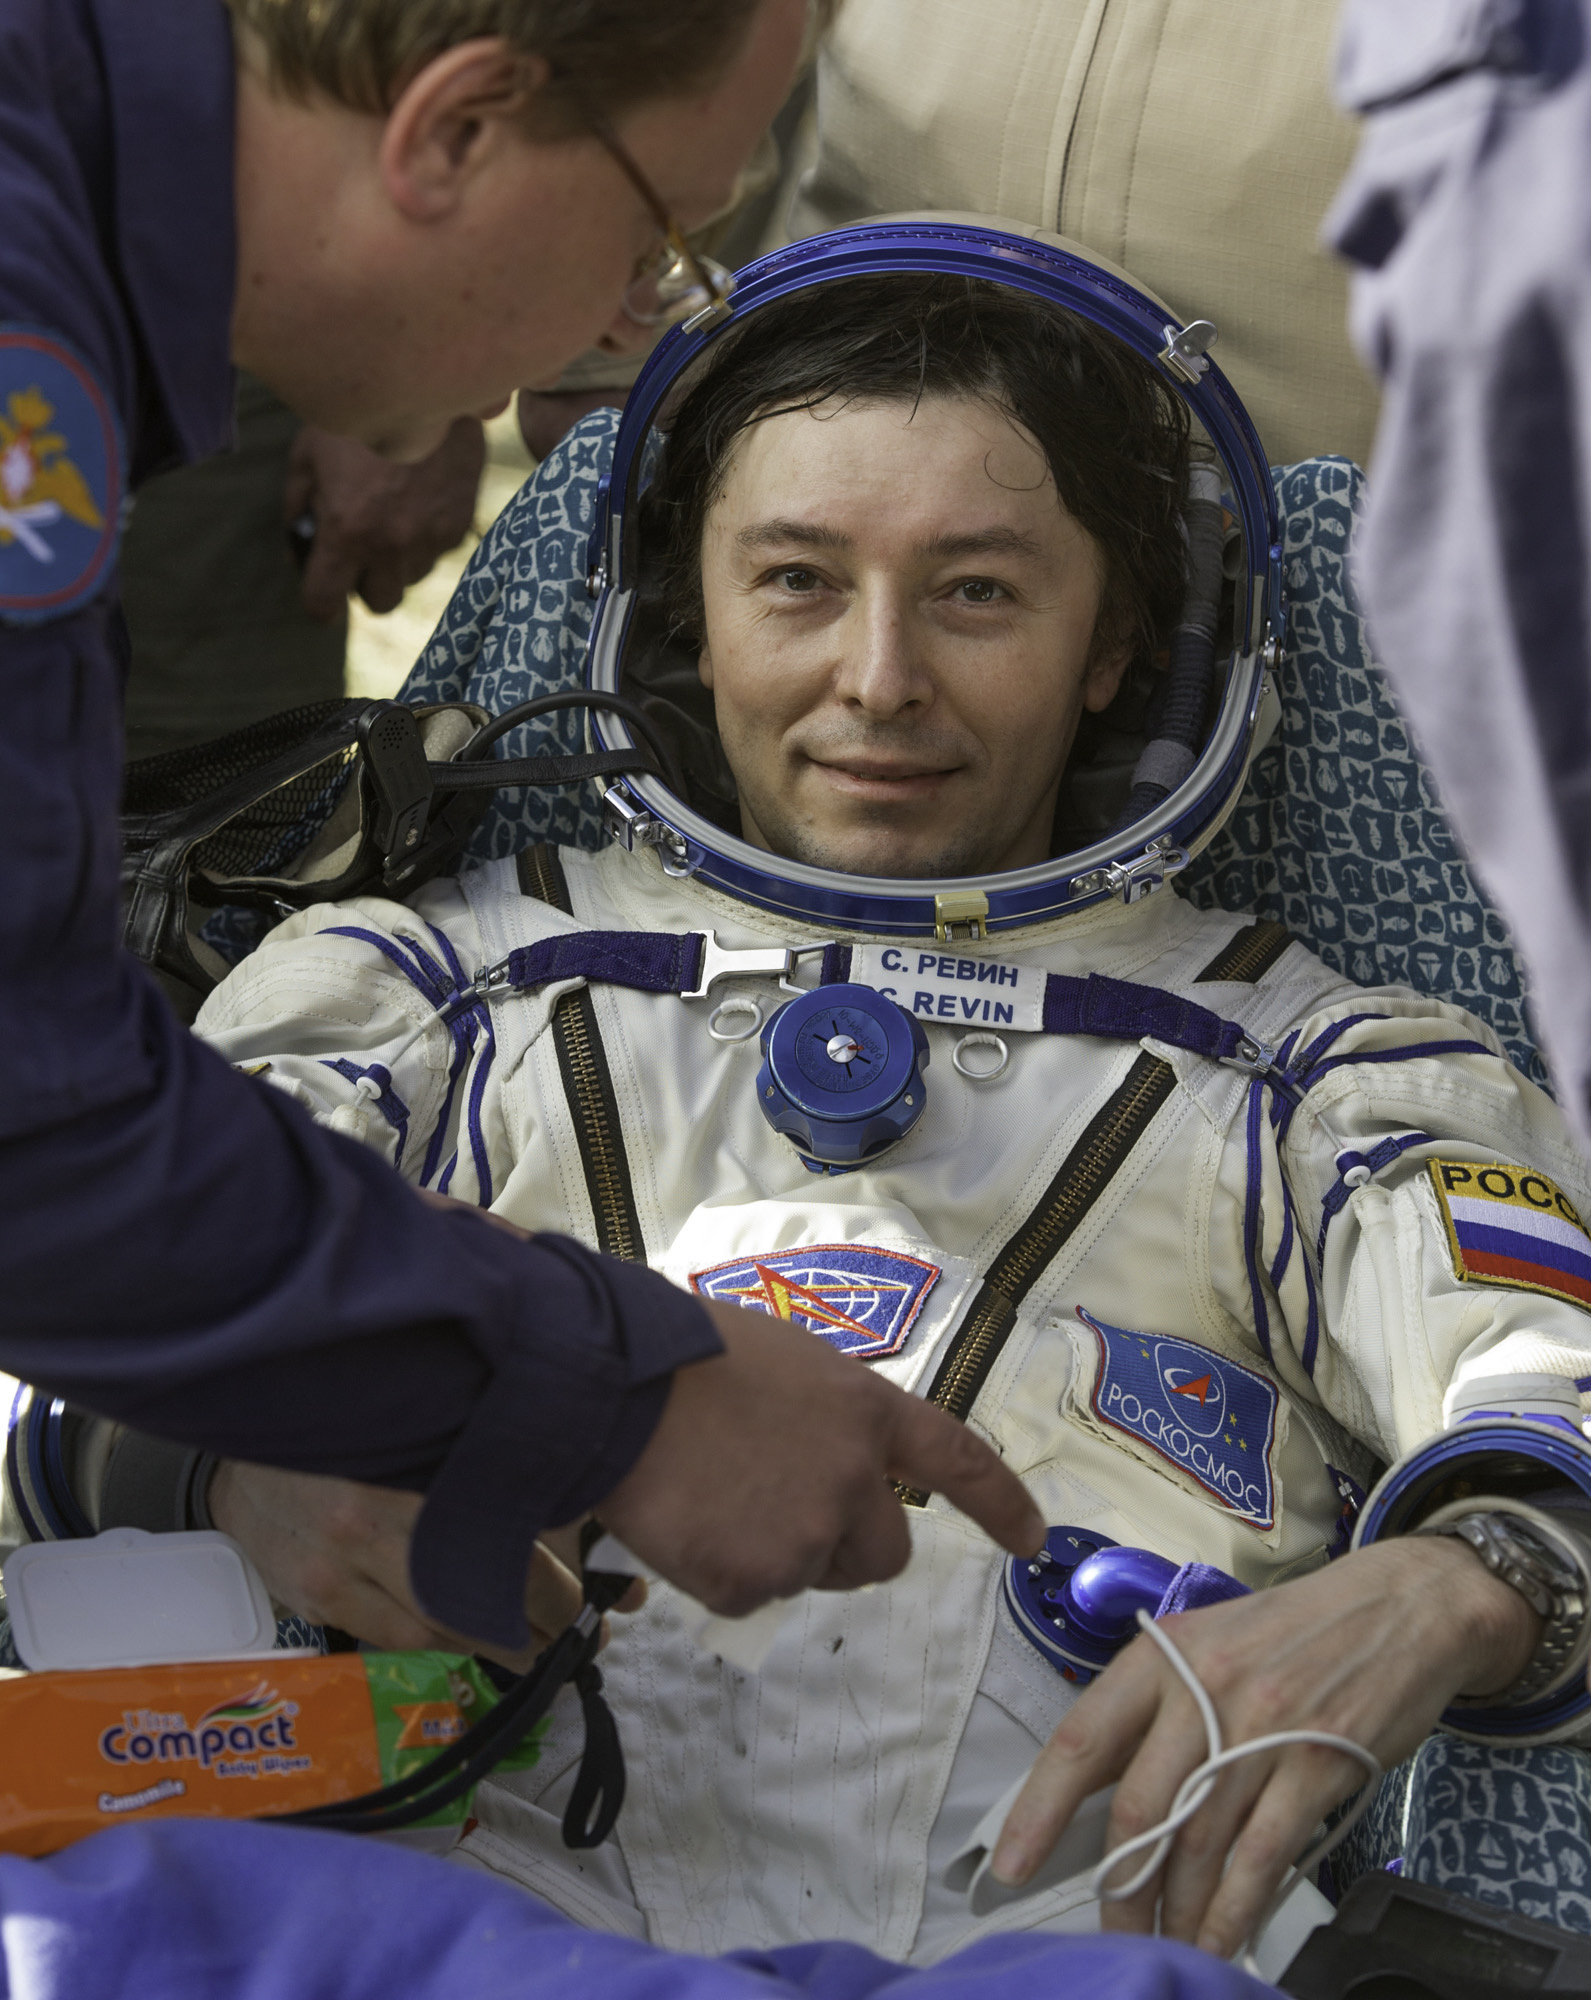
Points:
(614, 54)
(1115, 437)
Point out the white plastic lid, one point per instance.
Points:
(131, 1599)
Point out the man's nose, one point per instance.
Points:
(883, 670)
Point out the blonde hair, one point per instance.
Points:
(611, 54)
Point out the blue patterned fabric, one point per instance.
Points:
(516, 627)
(1338, 834)
(1506, 1827)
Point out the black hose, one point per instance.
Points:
(1179, 734)
(546, 704)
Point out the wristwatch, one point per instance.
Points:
(1548, 1568)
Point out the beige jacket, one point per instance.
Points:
(1191, 141)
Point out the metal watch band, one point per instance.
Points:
(1549, 1575)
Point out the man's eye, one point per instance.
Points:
(979, 590)
(797, 579)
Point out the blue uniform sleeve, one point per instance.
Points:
(190, 1254)
(178, 1250)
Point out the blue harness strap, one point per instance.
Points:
(1120, 1011)
(647, 961)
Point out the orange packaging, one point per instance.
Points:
(237, 1739)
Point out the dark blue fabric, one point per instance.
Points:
(212, 1910)
(648, 961)
(1198, 1584)
(1122, 1011)
(181, 1248)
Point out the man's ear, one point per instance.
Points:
(704, 665)
(451, 119)
(1103, 675)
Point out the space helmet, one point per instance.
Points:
(1159, 786)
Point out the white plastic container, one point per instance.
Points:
(131, 1599)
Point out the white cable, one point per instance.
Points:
(1200, 1782)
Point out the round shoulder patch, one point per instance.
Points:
(60, 478)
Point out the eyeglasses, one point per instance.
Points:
(674, 283)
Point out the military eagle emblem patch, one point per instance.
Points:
(859, 1298)
(1207, 1416)
(1511, 1227)
(60, 478)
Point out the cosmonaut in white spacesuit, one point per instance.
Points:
(868, 1019)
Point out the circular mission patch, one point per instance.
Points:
(60, 478)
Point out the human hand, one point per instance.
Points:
(378, 526)
(769, 1472)
(1373, 1648)
(337, 1553)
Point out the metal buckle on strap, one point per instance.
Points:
(1253, 1057)
(770, 961)
(490, 980)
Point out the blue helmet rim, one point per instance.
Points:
(1052, 888)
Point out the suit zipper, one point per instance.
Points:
(1082, 1178)
(588, 1086)
(1249, 956)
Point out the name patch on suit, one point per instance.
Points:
(1204, 1414)
(1513, 1227)
(949, 986)
(859, 1298)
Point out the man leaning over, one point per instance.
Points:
(320, 194)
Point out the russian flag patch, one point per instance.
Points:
(1513, 1227)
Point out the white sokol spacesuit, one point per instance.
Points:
(809, 1800)
(1198, 1252)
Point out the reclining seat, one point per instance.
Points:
(1339, 835)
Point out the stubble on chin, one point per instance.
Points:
(877, 849)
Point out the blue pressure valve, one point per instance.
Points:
(1078, 1599)
(842, 1075)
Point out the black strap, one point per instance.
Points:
(472, 1756)
(598, 1793)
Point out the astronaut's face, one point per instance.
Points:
(899, 618)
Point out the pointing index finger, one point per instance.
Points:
(932, 1453)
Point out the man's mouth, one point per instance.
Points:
(876, 780)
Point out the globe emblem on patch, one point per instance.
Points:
(1193, 1389)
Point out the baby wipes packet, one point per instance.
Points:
(239, 1739)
